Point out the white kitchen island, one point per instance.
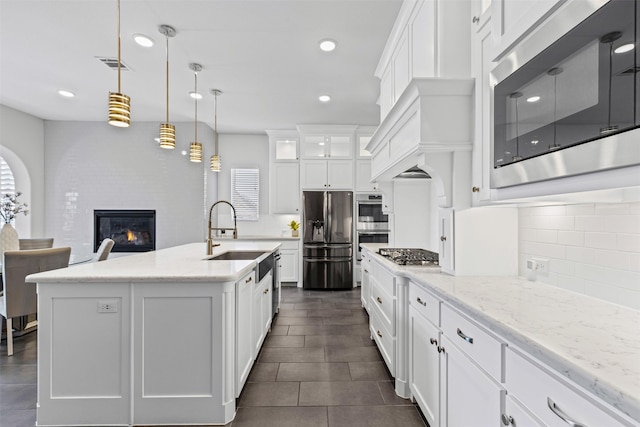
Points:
(163, 337)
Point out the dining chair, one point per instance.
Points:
(104, 249)
(20, 298)
(42, 243)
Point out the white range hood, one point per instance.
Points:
(429, 126)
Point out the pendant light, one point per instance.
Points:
(119, 103)
(215, 159)
(195, 149)
(167, 130)
(609, 38)
(517, 157)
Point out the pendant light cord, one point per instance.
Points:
(215, 123)
(195, 122)
(167, 83)
(119, 47)
(610, 79)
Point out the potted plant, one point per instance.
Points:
(9, 208)
(294, 226)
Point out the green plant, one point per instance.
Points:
(294, 225)
(10, 207)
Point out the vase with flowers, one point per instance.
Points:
(10, 207)
(294, 226)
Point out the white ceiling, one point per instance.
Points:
(262, 54)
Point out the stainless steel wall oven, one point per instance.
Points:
(372, 224)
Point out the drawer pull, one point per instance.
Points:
(507, 419)
(433, 341)
(440, 349)
(379, 300)
(564, 417)
(464, 337)
(249, 279)
(379, 334)
(366, 271)
(266, 291)
(421, 302)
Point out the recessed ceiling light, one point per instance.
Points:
(327, 45)
(624, 48)
(195, 95)
(183, 152)
(324, 98)
(156, 139)
(533, 99)
(142, 40)
(66, 93)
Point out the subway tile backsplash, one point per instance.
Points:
(593, 249)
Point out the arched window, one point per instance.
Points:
(7, 181)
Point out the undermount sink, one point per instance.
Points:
(237, 255)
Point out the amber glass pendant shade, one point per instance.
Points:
(215, 163)
(195, 152)
(119, 110)
(167, 136)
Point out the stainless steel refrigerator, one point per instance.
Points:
(327, 221)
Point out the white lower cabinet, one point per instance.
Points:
(552, 399)
(244, 338)
(424, 365)
(261, 312)
(289, 261)
(516, 415)
(470, 397)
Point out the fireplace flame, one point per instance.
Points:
(130, 236)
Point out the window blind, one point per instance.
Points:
(7, 182)
(245, 193)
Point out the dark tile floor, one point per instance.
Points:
(318, 367)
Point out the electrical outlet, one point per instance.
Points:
(542, 265)
(107, 307)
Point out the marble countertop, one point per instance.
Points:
(594, 343)
(186, 263)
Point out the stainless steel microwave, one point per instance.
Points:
(574, 107)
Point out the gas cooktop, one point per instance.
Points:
(409, 256)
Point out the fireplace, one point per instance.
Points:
(131, 230)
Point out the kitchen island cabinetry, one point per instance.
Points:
(261, 312)
(154, 338)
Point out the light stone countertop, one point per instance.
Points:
(274, 237)
(184, 263)
(594, 343)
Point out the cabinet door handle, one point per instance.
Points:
(366, 271)
(475, 189)
(266, 291)
(433, 341)
(560, 413)
(475, 20)
(379, 334)
(379, 300)
(248, 280)
(507, 419)
(421, 302)
(443, 238)
(464, 337)
(440, 349)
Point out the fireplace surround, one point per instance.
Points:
(131, 230)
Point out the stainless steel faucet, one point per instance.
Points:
(210, 243)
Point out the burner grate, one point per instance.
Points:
(410, 256)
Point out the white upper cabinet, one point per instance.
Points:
(284, 176)
(331, 141)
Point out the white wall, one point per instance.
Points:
(248, 151)
(91, 165)
(22, 146)
(593, 249)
